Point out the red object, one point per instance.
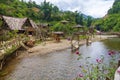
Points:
(68, 39)
(77, 52)
(111, 52)
(80, 75)
(99, 60)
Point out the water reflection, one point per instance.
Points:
(94, 51)
(113, 43)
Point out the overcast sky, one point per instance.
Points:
(95, 8)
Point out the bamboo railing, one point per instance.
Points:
(8, 47)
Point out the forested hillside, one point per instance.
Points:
(44, 12)
(111, 22)
(29, 9)
(115, 8)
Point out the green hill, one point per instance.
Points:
(111, 22)
(115, 8)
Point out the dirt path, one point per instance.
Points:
(51, 46)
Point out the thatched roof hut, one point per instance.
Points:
(20, 24)
(17, 23)
(78, 26)
(64, 21)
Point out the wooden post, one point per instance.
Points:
(87, 41)
(78, 40)
(118, 63)
(71, 43)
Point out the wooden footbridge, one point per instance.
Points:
(9, 47)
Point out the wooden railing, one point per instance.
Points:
(8, 47)
(14, 42)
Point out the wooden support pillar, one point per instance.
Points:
(87, 41)
(78, 39)
(118, 63)
(2, 62)
(71, 43)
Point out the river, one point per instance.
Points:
(59, 65)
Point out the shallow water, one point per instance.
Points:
(62, 65)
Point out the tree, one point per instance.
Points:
(89, 21)
(46, 7)
(79, 18)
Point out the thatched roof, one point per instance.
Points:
(44, 25)
(64, 21)
(78, 26)
(17, 23)
(33, 24)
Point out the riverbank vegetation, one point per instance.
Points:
(100, 69)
